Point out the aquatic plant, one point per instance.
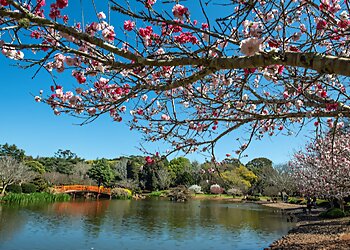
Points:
(23, 199)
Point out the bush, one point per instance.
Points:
(179, 194)
(14, 188)
(322, 203)
(293, 200)
(121, 193)
(234, 192)
(333, 213)
(28, 188)
(40, 183)
(216, 189)
(159, 193)
(195, 189)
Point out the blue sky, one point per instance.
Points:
(33, 127)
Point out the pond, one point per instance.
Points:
(140, 224)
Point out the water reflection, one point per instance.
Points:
(146, 224)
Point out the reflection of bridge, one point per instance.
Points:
(73, 189)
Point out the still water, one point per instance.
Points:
(143, 224)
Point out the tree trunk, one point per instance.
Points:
(3, 189)
(341, 204)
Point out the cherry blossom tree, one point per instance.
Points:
(323, 168)
(186, 75)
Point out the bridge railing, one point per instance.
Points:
(75, 188)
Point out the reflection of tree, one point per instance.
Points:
(11, 221)
(91, 213)
(240, 216)
(144, 219)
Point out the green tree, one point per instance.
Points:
(240, 177)
(180, 169)
(262, 168)
(36, 166)
(257, 165)
(149, 178)
(230, 164)
(12, 151)
(102, 173)
(65, 161)
(179, 165)
(133, 167)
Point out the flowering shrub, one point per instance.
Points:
(216, 189)
(234, 192)
(195, 189)
(121, 193)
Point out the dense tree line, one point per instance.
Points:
(140, 173)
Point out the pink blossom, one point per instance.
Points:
(62, 3)
(250, 46)
(149, 160)
(146, 32)
(101, 15)
(179, 10)
(108, 34)
(299, 104)
(92, 111)
(165, 117)
(40, 3)
(205, 26)
(56, 112)
(186, 37)
(149, 3)
(3, 2)
(129, 25)
(321, 24)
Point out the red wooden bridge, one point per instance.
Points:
(82, 189)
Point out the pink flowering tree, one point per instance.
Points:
(187, 75)
(323, 168)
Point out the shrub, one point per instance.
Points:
(292, 200)
(234, 192)
(322, 203)
(28, 188)
(333, 213)
(216, 189)
(158, 193)
(179, 194)
(195, 189)
(14, 188)
(121, 193)
(40, 183)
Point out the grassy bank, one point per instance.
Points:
(23, 199)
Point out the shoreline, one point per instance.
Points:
(312, 231)
(320, 234)
(283, 206)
